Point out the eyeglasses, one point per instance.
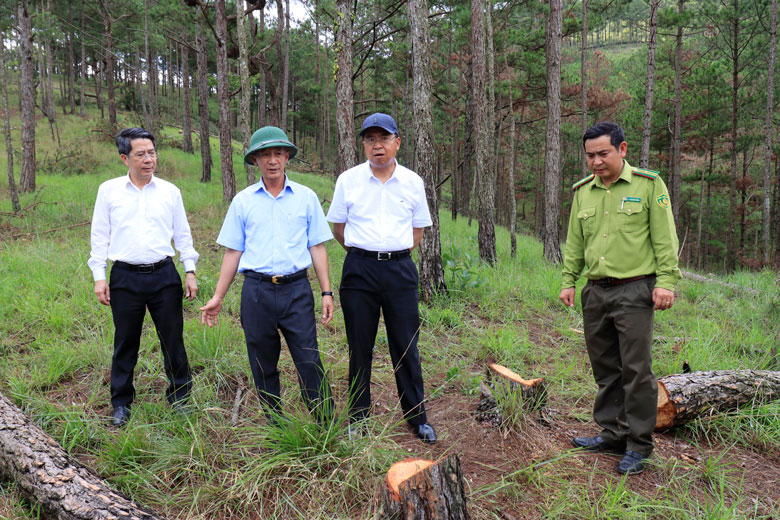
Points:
(385, 139)
(140, 155)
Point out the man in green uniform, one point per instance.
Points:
(623, 240)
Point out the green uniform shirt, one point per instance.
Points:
(621, 231)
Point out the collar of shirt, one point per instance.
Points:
(369, 173)
(260, 186)
(625, 175)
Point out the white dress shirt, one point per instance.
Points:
(136, 225)
(379, 216)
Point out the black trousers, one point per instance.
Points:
(368, 285)
(266, 309)
(161, 292)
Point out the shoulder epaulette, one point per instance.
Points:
(648, 174)
(580, 183)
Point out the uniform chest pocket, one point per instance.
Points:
(632, 217)
(587, 217)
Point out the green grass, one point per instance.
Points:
(55, 352)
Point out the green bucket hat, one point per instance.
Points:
(269, 137)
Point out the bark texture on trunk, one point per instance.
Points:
(675, 180)
(186, 113)
(647, 126)
(9, 150)
(223, 95)
(418, 489)
(26, 77)
(766, 213)
(431, 268)
(246, 91)
(552, 162)
(485, 192)
(203, 103)
(683, 398)
(44, 472)
(345, 96)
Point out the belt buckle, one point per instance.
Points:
(146, 268)
(385, 258)
(275, 279)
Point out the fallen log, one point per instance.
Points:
(63, 487)
(683, 398)
(418, 489)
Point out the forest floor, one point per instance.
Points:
(55, 355)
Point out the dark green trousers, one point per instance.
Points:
(619, 333)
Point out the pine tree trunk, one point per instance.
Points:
(345, 110)
(14, 195)
(83, 78)
(647, 126)
(731, 244)
(243, 67)
(431, 269)
(675, 180)
(71, 65)
(223, 96)
(766, 214)
(511, 200)
(683, 398)
(44, 472)
(584, 81)
(486, 235)
(286, 74)
(26, 77)
(552, 163)
(186, 114)
(203, 103)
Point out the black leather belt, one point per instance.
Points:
(382, 256)
(610, 282)
(276, 279)
(143, 268)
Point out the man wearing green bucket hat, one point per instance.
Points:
(273, 232)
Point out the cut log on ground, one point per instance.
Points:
(47, 475)
(418, 489)
(683, 398)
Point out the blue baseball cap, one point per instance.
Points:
(379, 120)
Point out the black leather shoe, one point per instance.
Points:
(632, 463)
(120, 416)
(425, 433)
(596, 444)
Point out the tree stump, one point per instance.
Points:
(534, 391)
(46, 474)
(683, 398)
(418, 489)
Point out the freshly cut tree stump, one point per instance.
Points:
(683, 398)
(46, 474)
(419, 489)
(534, 391)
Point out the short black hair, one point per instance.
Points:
(123, 140)
(615, 133)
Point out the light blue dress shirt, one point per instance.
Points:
(275, 234)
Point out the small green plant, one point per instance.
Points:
(462, 269)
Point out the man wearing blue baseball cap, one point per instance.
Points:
(273, 231)
(378, 213)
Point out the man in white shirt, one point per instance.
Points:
(378, 213)
(134, 220)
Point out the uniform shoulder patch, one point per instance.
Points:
(582, 182)
(648, 174)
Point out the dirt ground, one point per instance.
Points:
(487, 454)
